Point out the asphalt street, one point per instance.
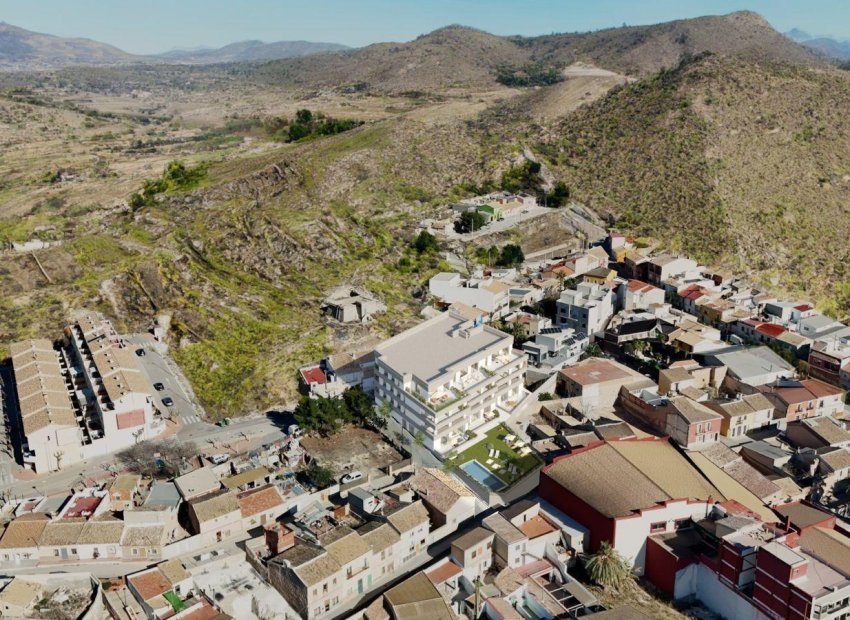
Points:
(160, 369)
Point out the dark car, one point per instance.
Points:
(168, 401)
(159, 387)
(140, 352)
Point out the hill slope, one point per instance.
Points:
(726, 159)
(457, 56)
(24, 50)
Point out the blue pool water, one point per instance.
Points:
(482, 475)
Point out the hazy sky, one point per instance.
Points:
(148, 26)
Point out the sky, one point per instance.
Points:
(151, 26)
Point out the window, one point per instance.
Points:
(474, 553)
(324, 588)
(658, 526)
(56, 553)
(73, 551)
(680, 524)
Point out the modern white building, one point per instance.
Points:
(587, 308)
(80, 398)
(489, 294)
(448, 376)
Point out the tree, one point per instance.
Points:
(303, 116)
(593, 350)
(607, 567)
(522, 177)
(510, 255)
(545, 396)
(469, 221)
(320, 475)
(558, 197)
(426, 243)
(419, 438)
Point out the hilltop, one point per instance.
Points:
(22, 49)
(461, 57)
(250, 51)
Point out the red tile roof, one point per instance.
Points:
(803, 307)
(443, 573)
(313, 375)
(637, 285)
(692, 291)
(150, 584)
(770, 329)
(259, 500)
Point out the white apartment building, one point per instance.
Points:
(489, 294)
(448, 376)
(587, 308)
(82, 398)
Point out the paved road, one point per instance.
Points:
(209, 439)
(160, 369)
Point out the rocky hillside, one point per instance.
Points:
(727, 159)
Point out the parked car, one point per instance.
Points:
(168, 401)
(159, 387)
(140, 352)
(218, 459)
(351, 477)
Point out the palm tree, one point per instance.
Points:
(607, 567)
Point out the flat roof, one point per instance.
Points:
(430, 349)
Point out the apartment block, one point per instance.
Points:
(587, 308)
(448, 376)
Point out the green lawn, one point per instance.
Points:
(494, 438)
(176, 603)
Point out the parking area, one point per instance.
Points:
(162, 371)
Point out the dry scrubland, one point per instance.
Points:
(738, 157)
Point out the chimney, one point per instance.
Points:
(813, 468)
(279, 538)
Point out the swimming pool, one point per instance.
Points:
(483, 475)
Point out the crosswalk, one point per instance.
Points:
(191, 419)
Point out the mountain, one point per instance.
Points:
(795, 34)
(22, 50)
(250, 51)
(832, 48)
(462, 57)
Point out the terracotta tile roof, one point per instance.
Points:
(472, 538)
(409, 517)
(143, 536)
(828, 429)
(214, 505)
(24, 531)
(150, 583)
(837, 459)
(259, 500)
(692, 411)
(174, 571)
(438, 489)
(443, 573)
(536, 526)
(378, 536)
(61, 533)
(345, 545)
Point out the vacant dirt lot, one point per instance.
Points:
(351, 449)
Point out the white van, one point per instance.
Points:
(351, 477)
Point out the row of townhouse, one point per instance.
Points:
(80, 397)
